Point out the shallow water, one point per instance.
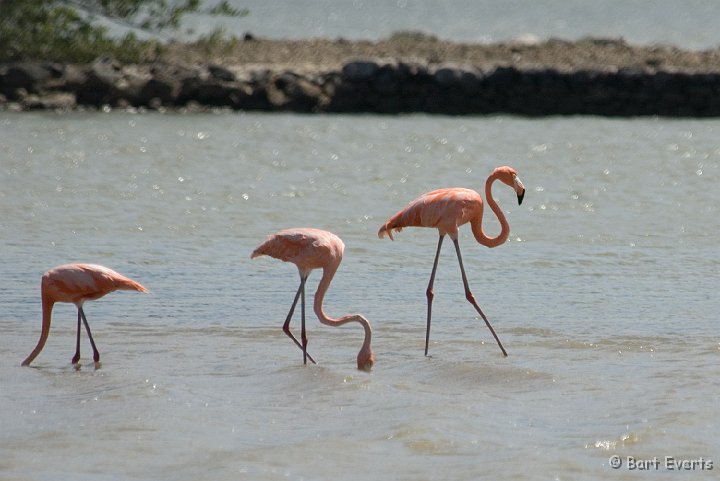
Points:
(604, 296)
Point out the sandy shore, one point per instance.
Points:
(565, 56)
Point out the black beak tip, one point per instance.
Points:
(520, 197)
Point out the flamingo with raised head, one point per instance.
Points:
(311, 249)
(77, 283)
(448, 209)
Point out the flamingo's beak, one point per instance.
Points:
(519, 189)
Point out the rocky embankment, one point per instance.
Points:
(408, 74)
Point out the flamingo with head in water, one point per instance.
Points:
(311, 249)
(77, 283)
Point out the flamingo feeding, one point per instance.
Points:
(311, 249)
(448, 209)
(77, 283)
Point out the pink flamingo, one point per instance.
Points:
(312, 249)
(77, 283)
(448, 209)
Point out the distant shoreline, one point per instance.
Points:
(319, 54)
(405, 73)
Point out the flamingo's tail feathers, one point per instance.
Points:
(273, 247)
(387, 229)
(396, 223)
(261, 250)
(128, 284)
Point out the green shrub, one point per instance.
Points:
(68, 31)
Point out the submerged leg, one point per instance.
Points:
(76, 357)
(469, 296)
(429, 292)
(286, 326)
(96, 354)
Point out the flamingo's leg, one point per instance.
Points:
(76, 357)
(303, 335)
(96, 354)
(469, 296)
(430, 294)
(286, 326)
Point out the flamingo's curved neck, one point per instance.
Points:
(47, 306)
(323, 286)
(477, 228)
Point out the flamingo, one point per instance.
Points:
(311, 249)
(448, 209)
(77, 283)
